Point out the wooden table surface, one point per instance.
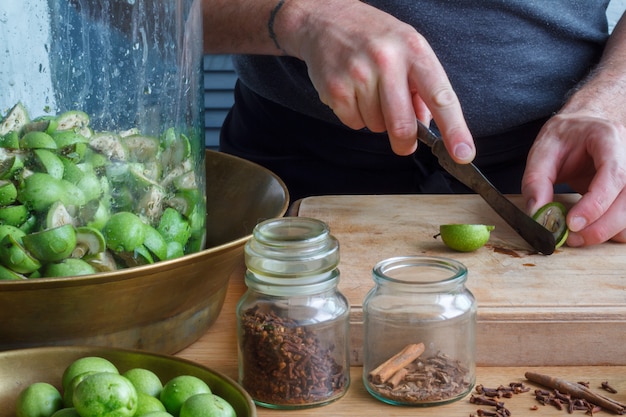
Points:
(217, 349)
(370, 227)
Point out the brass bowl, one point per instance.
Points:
(162, 307)
(22, 367)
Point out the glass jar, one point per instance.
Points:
(102, 101)
(293, 323)
(419, 332)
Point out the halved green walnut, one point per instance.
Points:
(6, 229)
(49, 162)
(150, 204)
(91, 186)
(174, 250)
(109, 144)
(102, 262)
(122, 198)
(37, 140)
(173, 227)
(186, 202)
(7, 274)
(89, 241)
(46, 123)
(14, 256)
(11, 161)
(64, 138)
(177, 148)
(14, 215)
(141, 148)
(58, 215)
(95, 213)
(68, 268)
(40, 190)
(142, 256)
(11, 140)
(189, 203)
(75, 120)
(138, 178)
(465, 237)
(15, 120)
(124, 232)
(30, 224)
(70, 144)
(186, 181)
(8, 193)
(51, 245)
(72, 171)
(552, 216)
(155, 243)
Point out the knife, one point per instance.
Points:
(540, 238)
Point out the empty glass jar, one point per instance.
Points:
(419, 337)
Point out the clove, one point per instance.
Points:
(488, 397)
(482, 400)
(608, 388)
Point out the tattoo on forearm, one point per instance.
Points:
(270, 24)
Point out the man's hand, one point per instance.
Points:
(585, 146)
(377, 72)
(589, 154)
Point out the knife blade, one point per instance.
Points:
(537, 236)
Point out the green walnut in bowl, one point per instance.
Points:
(49, 369)
(114, 238)
(58, 173)
(164, 306)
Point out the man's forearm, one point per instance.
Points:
(604, 92)
(246, 26)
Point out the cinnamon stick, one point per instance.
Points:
(398, 361)
(396, 378)
(577, 390)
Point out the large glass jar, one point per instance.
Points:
(293, 322)
(419, 337)
(102, 113)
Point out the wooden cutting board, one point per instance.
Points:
(568, 308)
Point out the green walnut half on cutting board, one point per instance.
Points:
(465, 237)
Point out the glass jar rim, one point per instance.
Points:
(442, 271)
(291, 247)
(292, 230)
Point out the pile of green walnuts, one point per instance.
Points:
(75, 201)
(92, 386)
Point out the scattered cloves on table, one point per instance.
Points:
(582, 392)
(562, 396)
(488, 396)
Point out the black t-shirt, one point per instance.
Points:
(509, 61)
